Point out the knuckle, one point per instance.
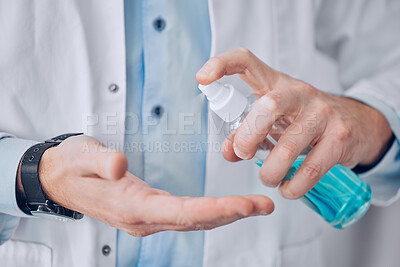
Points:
(244, 51)
(218, 65)
(288, 148)
(183, 219)
(243, 142)
(270, 102)
(312, 171)
(342, 134)
(324, 108)
(290, 194)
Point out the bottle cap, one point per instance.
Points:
(227, 102)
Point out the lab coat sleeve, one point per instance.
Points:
(11, 151)
(384, 178)
(8, 224)
(363, 38)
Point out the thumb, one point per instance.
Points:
(102, 161)
(241, 61)
(111, 165)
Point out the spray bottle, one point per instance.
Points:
(340, 197)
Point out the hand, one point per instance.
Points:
(83, 175)
(340, 130)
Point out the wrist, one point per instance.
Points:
(380, 136)
(45, 172)
(362, 168)
(35, 162)
(383, 131)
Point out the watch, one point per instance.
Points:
(36, 203)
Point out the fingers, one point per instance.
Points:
(259, 121)
(262, 205)
(240, 61)
(317, 163)
(133, 204)
(202, 212)
(297, 137)
(227, 149)
(140, 210)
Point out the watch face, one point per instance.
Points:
(52, 216)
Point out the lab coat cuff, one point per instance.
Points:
(8, 224)
(383, 178)
(11, 151)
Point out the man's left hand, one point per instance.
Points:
(340, 130)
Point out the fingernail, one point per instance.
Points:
(284, 191)
(239, 153)
(263, 213)
(202, 72)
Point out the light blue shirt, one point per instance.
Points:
(167, 42)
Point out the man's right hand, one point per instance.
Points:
(82, 174)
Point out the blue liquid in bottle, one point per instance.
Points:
(340, 197)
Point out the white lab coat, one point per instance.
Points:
(58, 59)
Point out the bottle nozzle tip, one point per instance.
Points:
(212, 89)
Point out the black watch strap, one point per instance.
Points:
(36, 200)
(58, 139)
(30, 172)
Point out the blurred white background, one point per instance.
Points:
(372, 242)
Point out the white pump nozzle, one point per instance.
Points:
(225, 101)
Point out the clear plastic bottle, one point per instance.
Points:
(340, 197)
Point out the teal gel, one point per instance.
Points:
(340, 197)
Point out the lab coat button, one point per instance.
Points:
(106, 250)
(159, 24)
(113, 88)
